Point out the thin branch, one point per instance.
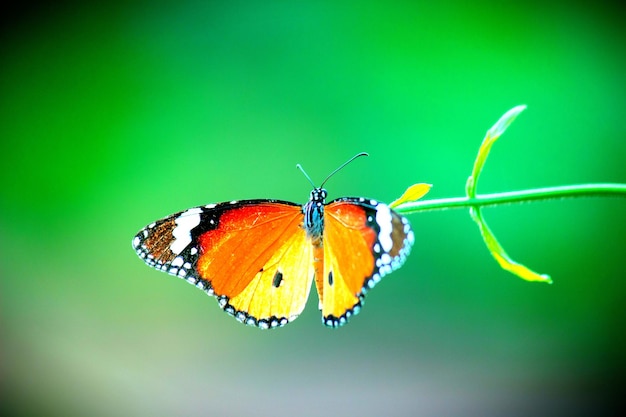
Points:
(495, 199)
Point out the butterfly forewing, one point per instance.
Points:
(250, 254)
(363, 241)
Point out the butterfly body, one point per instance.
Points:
(259, 257)
(314, 215)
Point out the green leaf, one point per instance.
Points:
(497, 251)
(490, 138)
(413, 193)
(501, 256)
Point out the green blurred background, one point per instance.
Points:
(113, 115)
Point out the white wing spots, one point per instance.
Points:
(182, 232)
(385, 270)
(167, 246)
(334, 322)
(244, 317)
(210, 206)
(389, 254)
(408, 241)
(385, 259)
(383, 219)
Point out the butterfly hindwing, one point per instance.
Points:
(364, 240)
(250, 254)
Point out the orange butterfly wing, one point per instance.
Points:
(252, 255)
(258, 259)
(258, 263)
(363, 241)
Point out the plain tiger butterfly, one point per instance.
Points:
(259, 257)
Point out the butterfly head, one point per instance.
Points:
(318, 196)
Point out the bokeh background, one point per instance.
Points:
(114, 114)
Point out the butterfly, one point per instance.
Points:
(259, 257)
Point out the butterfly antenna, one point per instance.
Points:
(306, 175)
(332, 173)
(343, 165)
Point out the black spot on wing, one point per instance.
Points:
(278, 278)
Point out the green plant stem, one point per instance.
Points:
(495, 199)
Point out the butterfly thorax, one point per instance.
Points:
(314, 215)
